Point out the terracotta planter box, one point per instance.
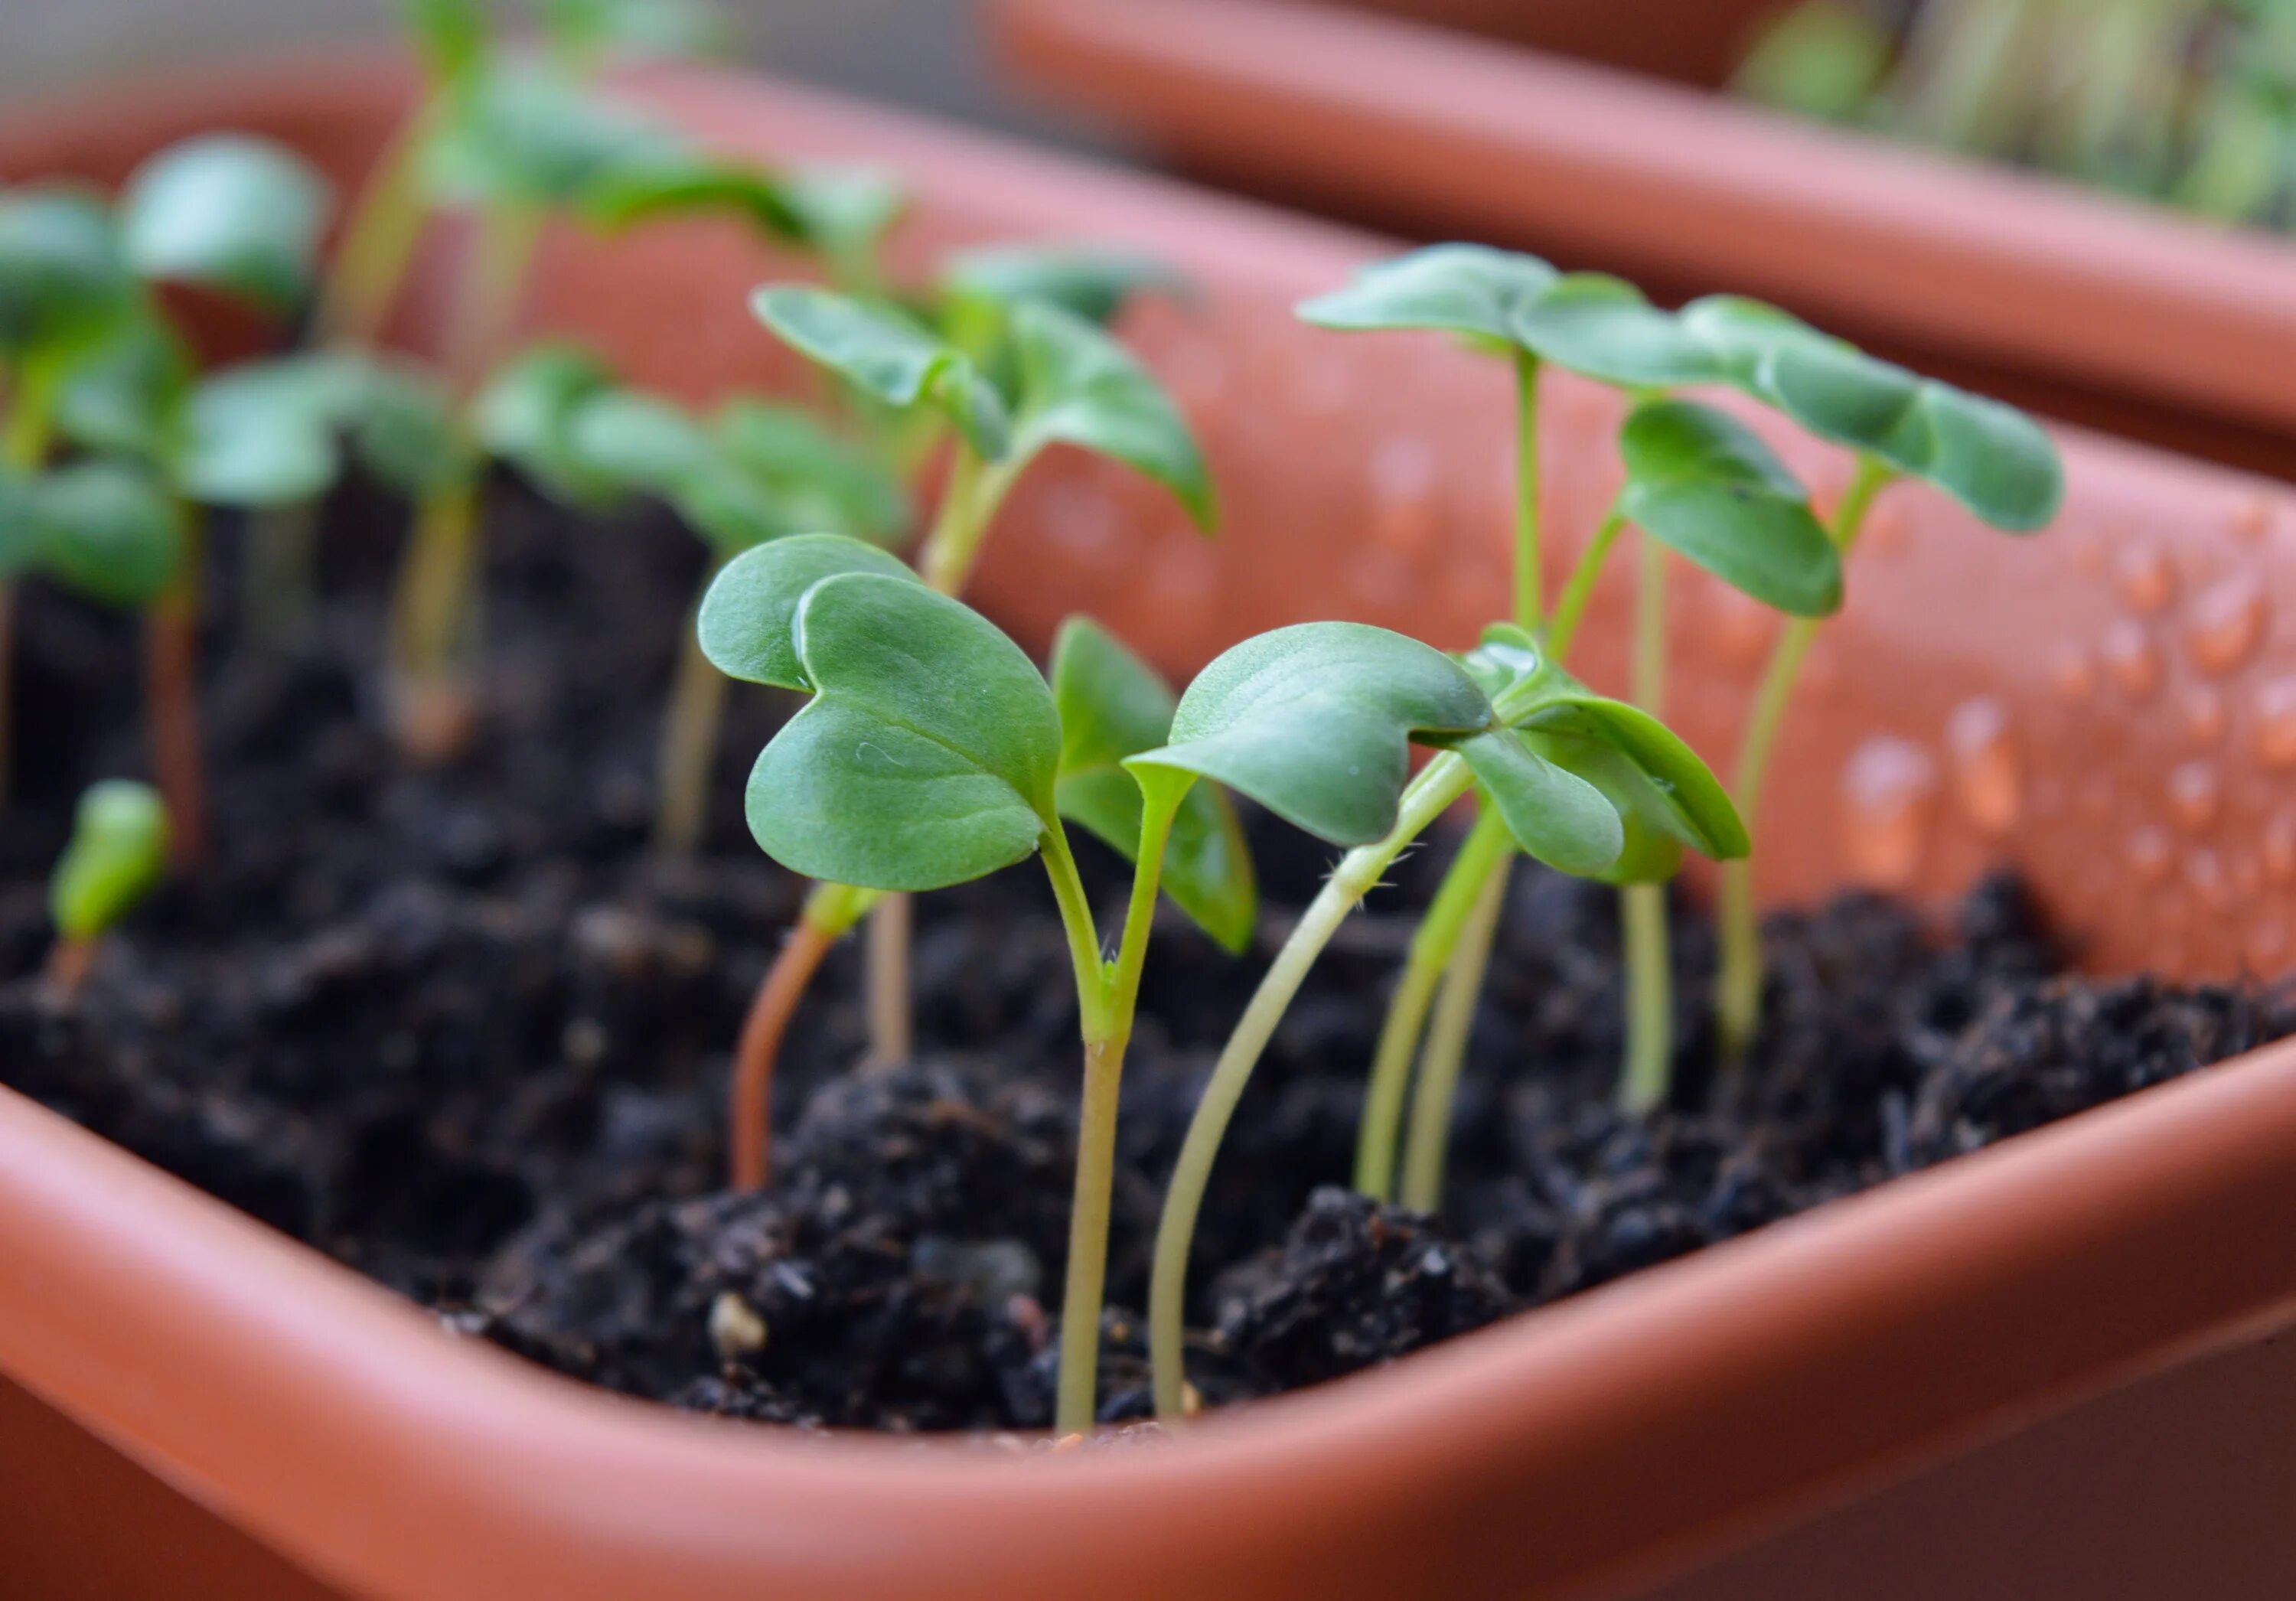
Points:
(2085, 306)
(2111, 706)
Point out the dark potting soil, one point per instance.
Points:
(460, 1031)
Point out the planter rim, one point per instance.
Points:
(311, 1406)
(1976, 258)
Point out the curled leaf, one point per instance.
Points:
(1642, 765)
(1703, 484)
(1315, 722)
(1553, 814)
(888, 357)
(1113, 705)
(117, 855)
(929, 753)
(748, 623)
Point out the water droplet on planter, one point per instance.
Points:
(2205, 716)
(1888, 787)
(2073, 673)
(2204, 872)
(2194, 796)
(2279, 851)
(2131, 657)
(2150, 854)
(2227, 622)
(2146, 579)
(1985, 767)
(2275, 722)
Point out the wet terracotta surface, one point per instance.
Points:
(2087, 306)
(2110, 705)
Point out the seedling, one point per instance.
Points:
(753, 471)
(1315, 722)
(1990, 457)
(118, 855)
(1697, 484)
(929, 753)
(1043, 375)
(96, 364)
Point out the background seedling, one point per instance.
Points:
(929, 753)
(1315, 722)
(750, 472)
(117, 856)
(1991, 457)
(1031, 374)
(1520, 307)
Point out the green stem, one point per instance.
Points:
(1738, 984)
(431, 622)
(1438, 783)
(1483, 854)
(492, 283)
(968, 506)
(385, 224)
(689, 741)
(1529, 608)
(1447, 1046)
(1649, 1071)
(1110, 992)
(1580, 587)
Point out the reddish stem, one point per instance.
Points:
(68, 962)
(171, 712)
(748, 1107)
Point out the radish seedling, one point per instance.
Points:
(117, 855)
(1520, 307)
(929, 753)
(1990, 457)
(1062, 380)
(1314, 723)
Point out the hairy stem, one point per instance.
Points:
(689, 743)
(1528, 606)
(1578, 589)
(171, 702)
(829, 910)
(1738, 984)
(1649, 1069)
(1107, 1031)
(1438, 783)
(1447, 1033)
(1483, 854)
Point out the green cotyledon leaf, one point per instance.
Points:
(748, 623)
(1113, 705)
(1315, 722)
(929, 753)
(118, 852)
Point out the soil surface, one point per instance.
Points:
(460, 1030)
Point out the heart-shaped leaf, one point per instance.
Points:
(264, 433)
(929, 753)
(1113, 705)
(64, 276)
(888, 357)
(1553, 814)
(749, 616)
(1315, 722)
(1603, 328)
(118, 853)
(231, 212)
(107, 531)
(1470, 289)
(1991, 457)
(124, 395)
(1703, 484)
(1092, 282)
(1640, 765)
(1078, 386)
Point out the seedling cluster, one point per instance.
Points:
(928, 750)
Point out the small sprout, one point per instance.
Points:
(229, 212)
(929, 754)
(117, 856)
